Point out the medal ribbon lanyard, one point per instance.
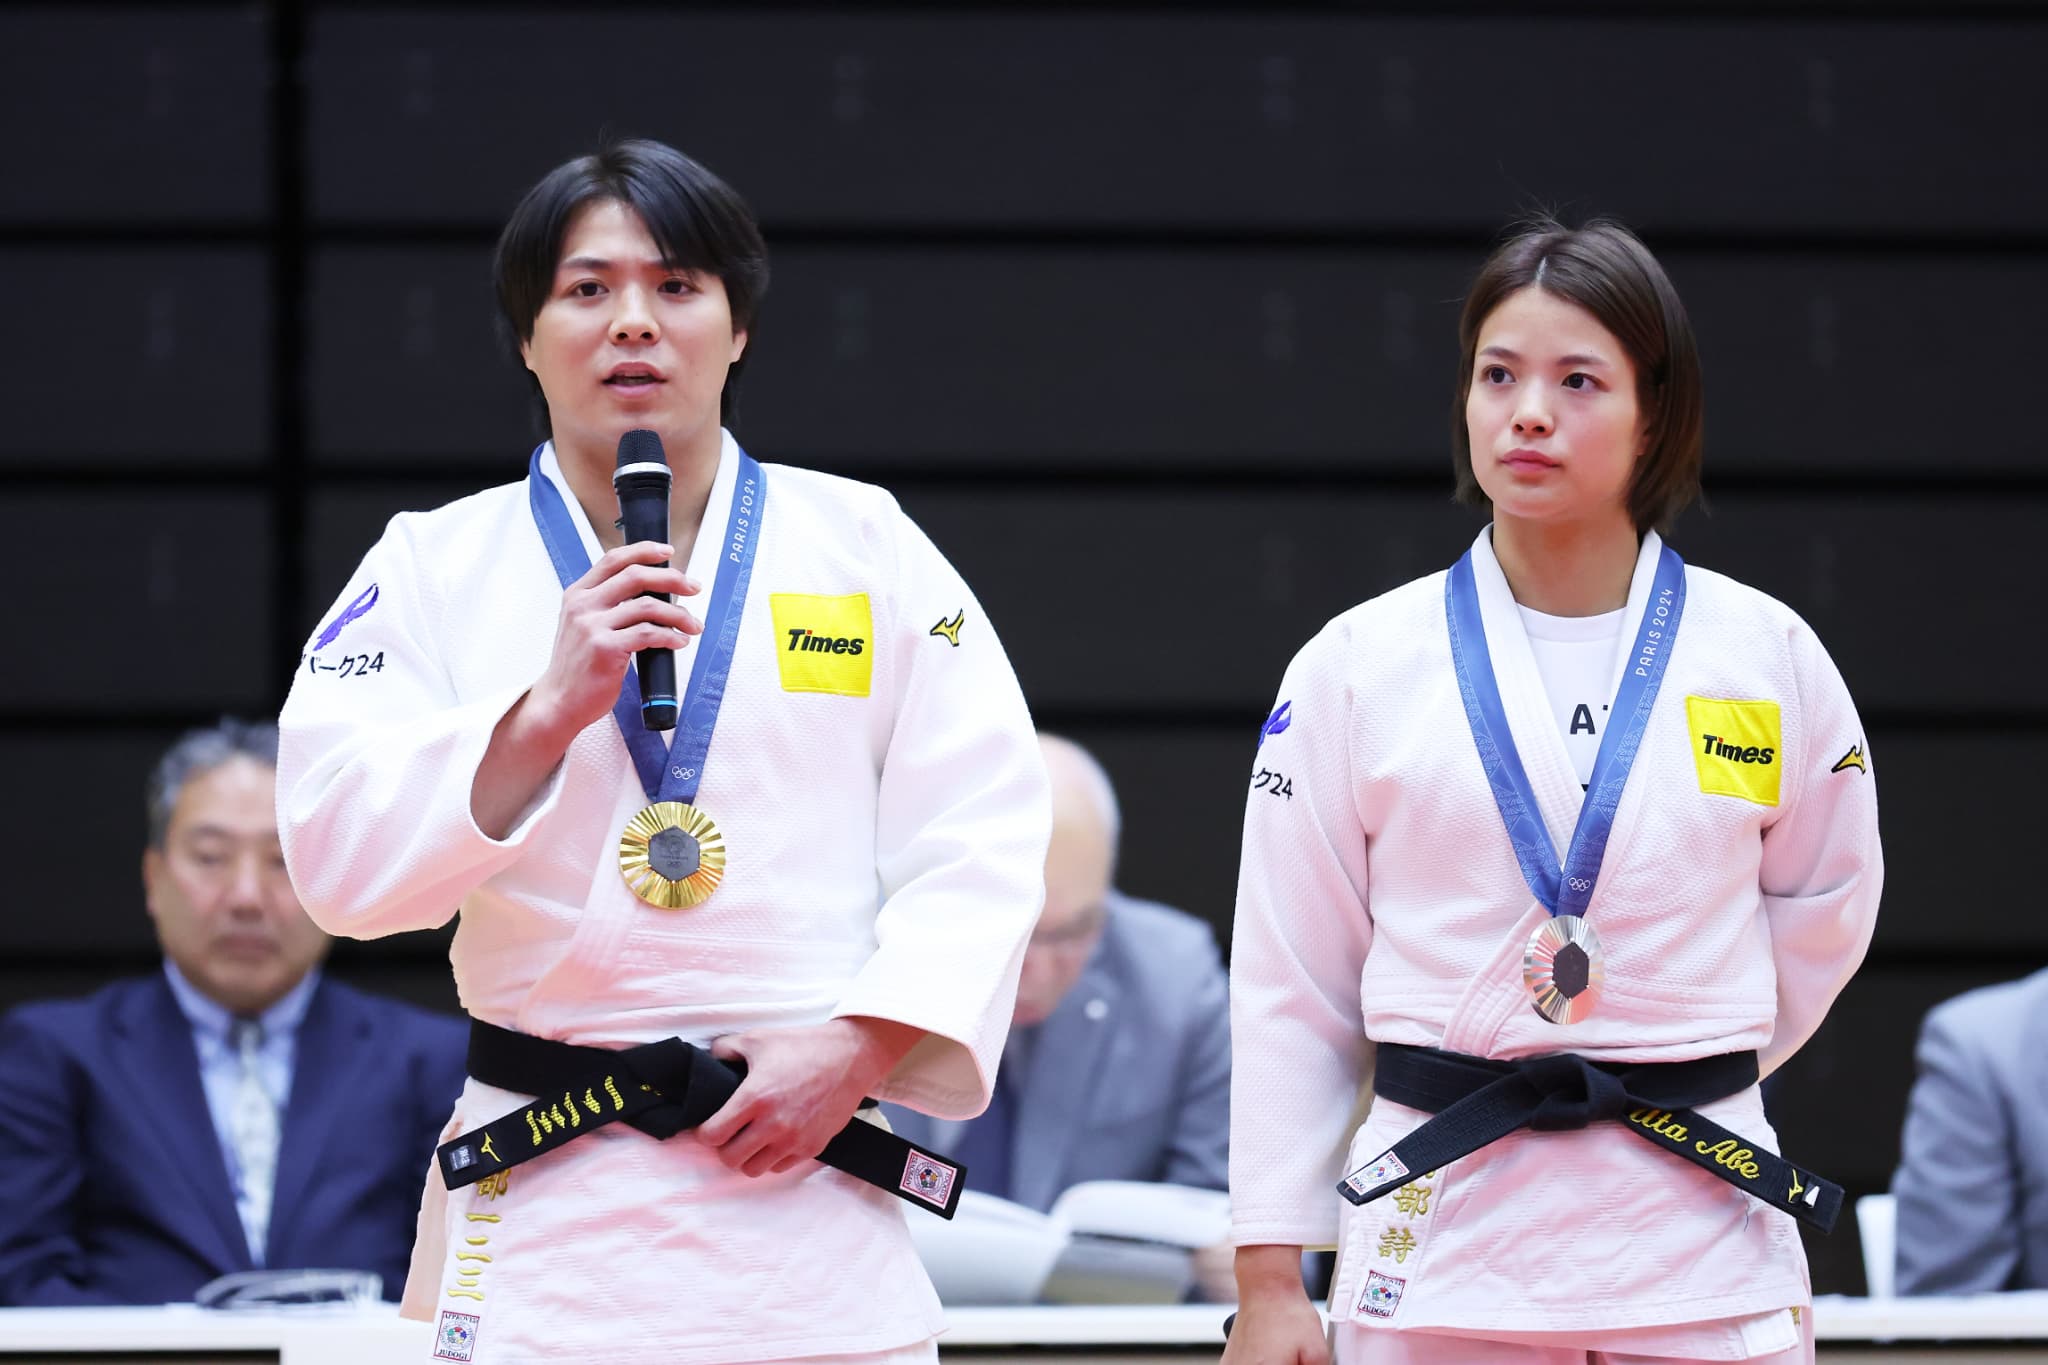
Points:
(672, 772)
(1564, 890)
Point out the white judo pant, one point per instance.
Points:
(923, 1353)
(1357, 1345)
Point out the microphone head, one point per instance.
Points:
(640, 446)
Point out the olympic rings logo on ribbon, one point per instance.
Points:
(1579, 883)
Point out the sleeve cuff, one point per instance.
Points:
(942, 1075)
(537, 810)
(1312, 1231)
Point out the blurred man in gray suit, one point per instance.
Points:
(1972, 1183)
(1118, 1061)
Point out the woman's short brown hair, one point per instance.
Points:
(1606, 270)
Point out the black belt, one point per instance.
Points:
(661, 1089)
(1477, 1101)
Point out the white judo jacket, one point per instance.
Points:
(1379, 900)
(885, 817)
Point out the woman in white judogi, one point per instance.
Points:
(872, 777)
(1425, 773)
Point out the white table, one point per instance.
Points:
(1901, 1331)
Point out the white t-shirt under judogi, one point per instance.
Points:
(1575, 659)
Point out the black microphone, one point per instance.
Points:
(641, 481)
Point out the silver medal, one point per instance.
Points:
(1564, 969)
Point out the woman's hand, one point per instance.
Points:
(803, 1085)
(1276, 1324)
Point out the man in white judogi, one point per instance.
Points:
(449, 742)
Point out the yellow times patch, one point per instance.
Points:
(1738, 747)
(824, 644)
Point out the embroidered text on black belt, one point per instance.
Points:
(1477, 1101)
(661, 1089)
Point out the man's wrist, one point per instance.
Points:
(879, 1044)
(534, 727)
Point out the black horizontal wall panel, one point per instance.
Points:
(1951, 809)
(1346, 359)
(1888, 363)
(1189, 598)
(134, 116)
(1154, 358)
(1141, 598)
(1337, 359)
(102, 770)
(173, 615)
(404, 358)
(1858, 568)
(1078, 119)
(144, 354)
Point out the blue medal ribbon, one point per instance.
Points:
(1563, 889)
(672, 772)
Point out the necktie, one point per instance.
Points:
(254, 1131)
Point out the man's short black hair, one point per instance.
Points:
(697, 220)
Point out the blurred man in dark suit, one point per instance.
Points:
(1118, 1061)
(1972, 1185)
(234, 1111)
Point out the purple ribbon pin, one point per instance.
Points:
(1282, 717)
(360, 607)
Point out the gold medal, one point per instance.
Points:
(1563, 968)
(672, 855)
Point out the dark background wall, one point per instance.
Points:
(1146, 314)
